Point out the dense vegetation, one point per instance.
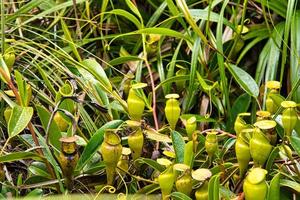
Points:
(175, 99)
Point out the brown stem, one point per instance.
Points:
(134, 2)
(241, 196)
(153, 95)
(219, 131)
(153, 100)
(77, 21)
(36, 142)
(292, 159)
(30, 126)
(11, 85)
(138, 178)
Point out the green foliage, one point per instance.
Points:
(66, 69)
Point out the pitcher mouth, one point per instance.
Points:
(68, 139)
(68, 144)
(263, 113)
(111, 137)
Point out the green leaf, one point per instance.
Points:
(295, 47)
(274, 191)
(218, 168)
(54, 131)
(277, 98)
(15, 156)
(213, 17)
(179, 196)
(25, 9)
(175, 12)
(19, 119)
(245, 81)
(199, 118)
(220, 59)
(170, 71)
(148, 189)
(4, 68)
(172, 79)
(92, 66)
(203, 84)
(279, 7)
(94, 143)
(189, 154)
(46, 12)
(269, 57)
(214, 187)
(162, 31)
(45, 5)
(151, 163)
(226, 146)
(273, 155)
(34, 194)
(92, 168)
(134, 9)
(186, 12)
(69, 40)
(21, 87)
(178, 144)
(39, 169)
(45, 77)
(127, 15)
(227, 193)
(154, 135)
(291, 184)
(240, 105)
(123, 59)
(194, 66)
(290, 10)
(157, 14)
(295, 142)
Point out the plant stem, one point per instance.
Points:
(30, 126)
(292, 160)
(4, 146)
(238, 35)
(219, 131)
(2, 27)
(220, 59)
(153, 95)
(153, 91)
(138, 177)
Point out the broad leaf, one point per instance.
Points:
(295, 142)
(179, 196)
(19, 119)
(274, 191)
(19, 156)
(92, 66)
(246, 82)
(54, 132)
(4, 69)
(214, 187)
(291, 184)
(199, 118)
(178, 144)
(151, 163)
(94, 143)
(273, 155)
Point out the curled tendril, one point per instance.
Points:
(111, 189)
(126, 189)
(121, 196)
(247, 21)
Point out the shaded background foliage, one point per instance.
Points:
(217, 55)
